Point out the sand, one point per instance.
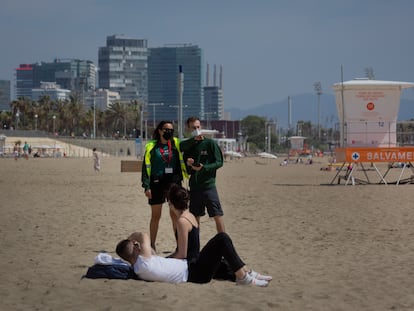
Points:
(327, 247)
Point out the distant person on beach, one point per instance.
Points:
(26, 150)
(16, 151)
(203, 157)
(163, 165)
(96, 161)
(188, 242)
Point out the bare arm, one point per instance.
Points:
(144, 243)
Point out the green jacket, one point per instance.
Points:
(146, 164)
(206, 152)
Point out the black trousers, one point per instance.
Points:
(218, 254)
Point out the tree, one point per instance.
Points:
(253, 128)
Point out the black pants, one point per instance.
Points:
(210, 260)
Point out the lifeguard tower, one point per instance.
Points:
(298, 146)
(368, 110)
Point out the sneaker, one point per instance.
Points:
(248, 279)
(259, 276)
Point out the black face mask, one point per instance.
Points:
(168, 134)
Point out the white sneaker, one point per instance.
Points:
(248, 279)
(259, 276)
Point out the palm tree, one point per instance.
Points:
(117, 116)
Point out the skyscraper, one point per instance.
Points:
(163, 81)
(213, 97)
(72, 74)
(24, 81)
(123, 67)
(5, 95)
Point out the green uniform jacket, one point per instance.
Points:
(146, 164)
(206, 152)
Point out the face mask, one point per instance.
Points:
(168, 134)
(196, 132)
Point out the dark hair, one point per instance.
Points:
(192, 119)
(122, 250)
(156, 134)
(178, 196)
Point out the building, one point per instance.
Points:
(213, 98)
(51, 89)
(101, 99)
(123, 67)
(24, 81)
(163, 82)
(5, 95)
(75, 75)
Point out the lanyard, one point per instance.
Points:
(169, 153)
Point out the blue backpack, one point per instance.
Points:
(98, 271)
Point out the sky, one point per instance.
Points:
(269, 49)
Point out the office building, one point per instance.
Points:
(5, 95)
(163, 82)
(24, 81)
(75, 75)
(123, 67)
(52, 90)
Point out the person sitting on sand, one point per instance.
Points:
(188, 239)
(150, 267)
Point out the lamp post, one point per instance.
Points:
(54, 124)
(36, 116)
(318, 89)
(17, 119)
(153, 111)
(180, 101)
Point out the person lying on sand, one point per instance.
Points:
(150, 267)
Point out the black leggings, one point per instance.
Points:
(211, 258)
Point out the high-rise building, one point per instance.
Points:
(163, 82)
(75, 75)
(213, 97)
(24, 81)
(123, 67)
(5, 95)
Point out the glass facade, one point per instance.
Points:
(71, 74)
(123, 67)
(163, 82)
(24, 81)
(5, 95)
(213, 103)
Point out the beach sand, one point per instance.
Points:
(327, 247)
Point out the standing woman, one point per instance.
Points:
(163, 165)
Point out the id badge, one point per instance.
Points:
(168, 170)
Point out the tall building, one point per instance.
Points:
(123, 67)
(5, 95)
(75, 75)
(213, 97)
(24, 81)
(163, 82)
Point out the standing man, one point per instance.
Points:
(203, 156)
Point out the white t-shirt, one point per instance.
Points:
(161, 269)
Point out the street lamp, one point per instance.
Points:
(94, 111)
(17, 119)
(318, 89)
(153, 111)
(54, 124)
(36, 116)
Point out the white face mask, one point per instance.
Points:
(196, 132)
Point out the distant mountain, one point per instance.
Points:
(304, 107)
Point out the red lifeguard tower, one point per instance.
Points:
(367, 111)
